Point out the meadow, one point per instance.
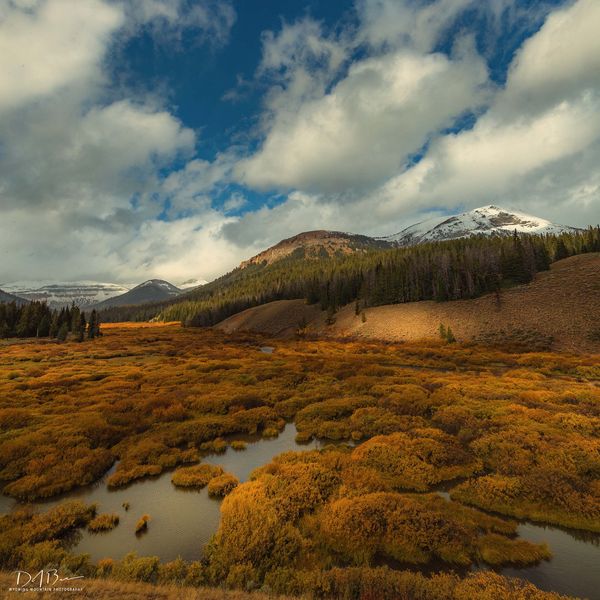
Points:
(510, 435)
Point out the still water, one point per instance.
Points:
(183, 521)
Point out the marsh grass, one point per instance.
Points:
(103, 522)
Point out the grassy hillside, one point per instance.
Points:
(559, 309)
(452, 270)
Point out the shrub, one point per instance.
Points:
(196, 476)
(103, 522)
(222, 484)
(142, 524)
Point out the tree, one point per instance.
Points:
(93, 328)
(63, 332)
(81, 328)
(75, 320)
(43, 328)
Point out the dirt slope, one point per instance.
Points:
(563, 303)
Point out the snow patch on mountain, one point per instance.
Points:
(486, 220)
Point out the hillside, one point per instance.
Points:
(153, 290)
(6, 297)
(563, 303)
(317, 244)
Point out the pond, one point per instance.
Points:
(183, 521)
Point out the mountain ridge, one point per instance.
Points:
(485, 220)
(152, 290)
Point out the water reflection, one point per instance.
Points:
(183, 520)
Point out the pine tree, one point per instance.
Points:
(81, 328)
(54, 326)
(63, 332)
(43, 328)
(93, 329)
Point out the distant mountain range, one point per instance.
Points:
(59, 294)
(486, 220)
(90, 294)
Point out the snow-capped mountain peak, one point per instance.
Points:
(161, 283)
(485, 220)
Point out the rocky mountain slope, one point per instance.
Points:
(317, 244)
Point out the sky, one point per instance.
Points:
(173, 139)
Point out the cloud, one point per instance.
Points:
(559, 63)
(46, 46)
(60, 156)
(368, 125)
(212, 20)
(545, 121)
(417, 25)
(81, 163)
(357, 126)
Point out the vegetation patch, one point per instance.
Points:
(221, 485)
(103, 522)
(197, 476)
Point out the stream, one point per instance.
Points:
(183, 521)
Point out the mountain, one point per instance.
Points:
(317, 244)
(557, 308)
(153, 290)
(332, 268)
(486, 220)
(5, 297)
(59, 294)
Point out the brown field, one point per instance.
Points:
(562, 304)
(516, 434)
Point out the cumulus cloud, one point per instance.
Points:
(418, 25)
(45, 46)
(368, 125)
(545, 119)
(80, 164)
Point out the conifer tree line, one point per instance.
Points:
(441, 271)
(36, 319)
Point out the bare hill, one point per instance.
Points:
(317, 244)
(563, 303)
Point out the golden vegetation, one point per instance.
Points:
(518, 433)
(196, 476)
(222, 485)
(142, 524)
(103, 522)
